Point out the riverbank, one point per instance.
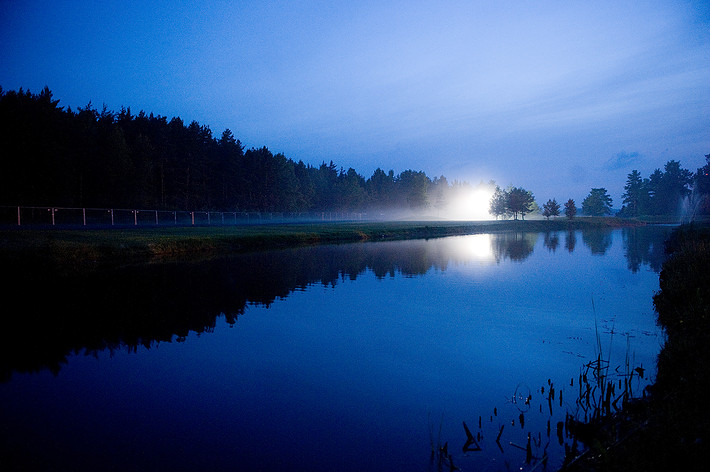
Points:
(106, 246)
(669, 429)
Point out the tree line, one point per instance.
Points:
(667, 192)
(91, 158)
(100, 158)
(664, 192)
(514, 201)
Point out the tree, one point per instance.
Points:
(551, 208)
(675, 186)
(667, 189)
(702, 177)
(654, 188)
(570, 209)
(225, 169)
(520, 201)
(440, 188)
(635, 194)
(499, 203)
(325, 181)
(702, 186)
(413, 186)
(351, 190)
(380, 189)
(597, 203)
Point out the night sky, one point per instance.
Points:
(556, 97)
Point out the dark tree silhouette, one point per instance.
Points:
(551, 208)
(520, 202)
(499, 203)
(635, 195)
(570, 209)
(90, 157)
(702, 186)
(597, 203)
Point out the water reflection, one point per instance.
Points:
(645, 246)
(342, 374)
(552, 241)
(143, 305)
(597, 241)
(514, 246)
(478, 247)
(570, 241)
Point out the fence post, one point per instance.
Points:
(156, 217)
(135, 217)
(18, 216)
(83, 215)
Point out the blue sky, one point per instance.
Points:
(556, 97)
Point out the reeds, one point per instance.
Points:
(602, 390)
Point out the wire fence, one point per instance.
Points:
(33, 216)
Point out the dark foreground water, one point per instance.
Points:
(338, 358)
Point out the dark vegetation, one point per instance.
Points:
(91, 158)
(663, 192)
(104, 159)
(673, 192)
(669, 429)
(512, 202)
(597, 203)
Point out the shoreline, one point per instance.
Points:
(82, 246)
(669, 427)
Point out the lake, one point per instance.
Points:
(367, 356)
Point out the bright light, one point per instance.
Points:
(472, 205)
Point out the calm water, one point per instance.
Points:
(349, 357)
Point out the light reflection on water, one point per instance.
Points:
(476, 247)
(353, 357)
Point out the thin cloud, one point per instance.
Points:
(622, 160)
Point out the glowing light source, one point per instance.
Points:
(472, 205)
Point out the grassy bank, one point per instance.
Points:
(128, 243)
(670, 428)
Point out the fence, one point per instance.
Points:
(62, 216)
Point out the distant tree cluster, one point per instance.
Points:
(92, 158)
(662, 192)
(512, 202)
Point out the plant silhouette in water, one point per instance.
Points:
(440, 458)
(602, 391)
(603, 394)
